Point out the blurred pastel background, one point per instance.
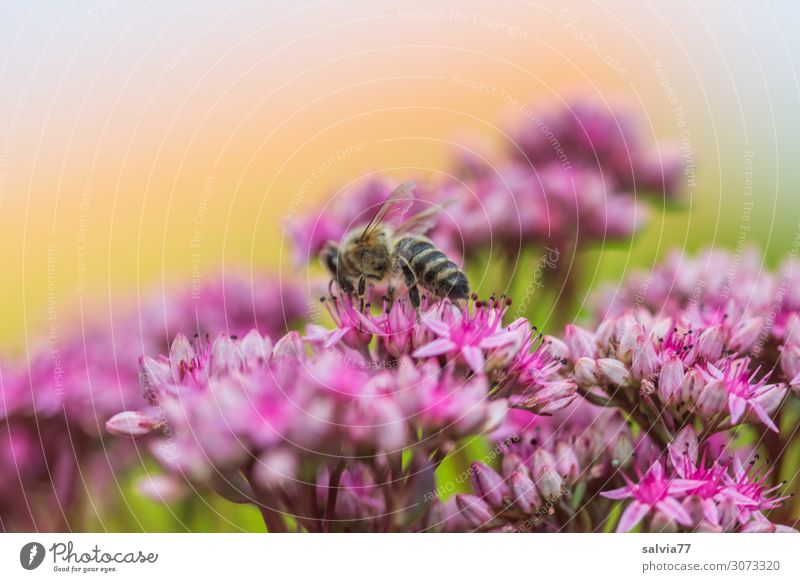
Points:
(148, 144)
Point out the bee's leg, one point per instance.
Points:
(362, 291)
(390, 295)
(411, 283)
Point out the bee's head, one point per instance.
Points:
(368, 255)
(329, 255)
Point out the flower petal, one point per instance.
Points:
(437, 347)
(474, 357)
(437, 326)
(335, 337)
(673, 509)
(762, 415)
(736, 405)
(499, 339)
(710, 511)
(677, 486)
(632, 515)
(620, 493)
(367, 323)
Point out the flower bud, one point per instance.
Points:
(567, 463)
(771, 397)
(487, 484)
(557, 348)
(391, 430)
(512, 462)
(661, 329)
(613, 371)
(792, 326)
(446, 517)
(627, 342)
(474, 510)
(669, 379)
(713, 399)
(622, 451)
(231, 485)
(647, 388)
(552, 397)
(691, 387)
(605, 334)
(548, 482)
(180, 352)
(132, 423)
(289, 346)
(662, 523)
(684, 446)
(256, 350)
(501, 349)
(588, 444)
(161, 488)
(586, 372)
(579, 341)
(790, 363)
(711, 343)
(644, 358)
(153, 374)
(274, 468)
(523, 492)
(224, 357)
(746, 334)
(496, 413)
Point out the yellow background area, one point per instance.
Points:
(147, 146)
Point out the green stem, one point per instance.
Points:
(333, 493)
(633, 410)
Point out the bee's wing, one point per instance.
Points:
(420, 223)
(423, 221)
(393, 209)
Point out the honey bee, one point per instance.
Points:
(390, 247)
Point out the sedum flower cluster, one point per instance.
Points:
(671, 405)
(341, 429)
(54, 450)
(570, 177)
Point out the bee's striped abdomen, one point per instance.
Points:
(433, 270)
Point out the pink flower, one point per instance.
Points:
(441, 405)
(132, 423)
(583, 135)
(216, 406)
(746, 392)
(465, 336)
(750, 491)
(533, 381)
(234, 304)
(655, 492)
(352, 328)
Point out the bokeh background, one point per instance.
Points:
(144, 144)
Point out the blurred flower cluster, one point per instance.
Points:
(671, 407)
(690, 390)
(569, 177)
(54, 450)
(687, 358)
(635, 423)
(341, 429)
